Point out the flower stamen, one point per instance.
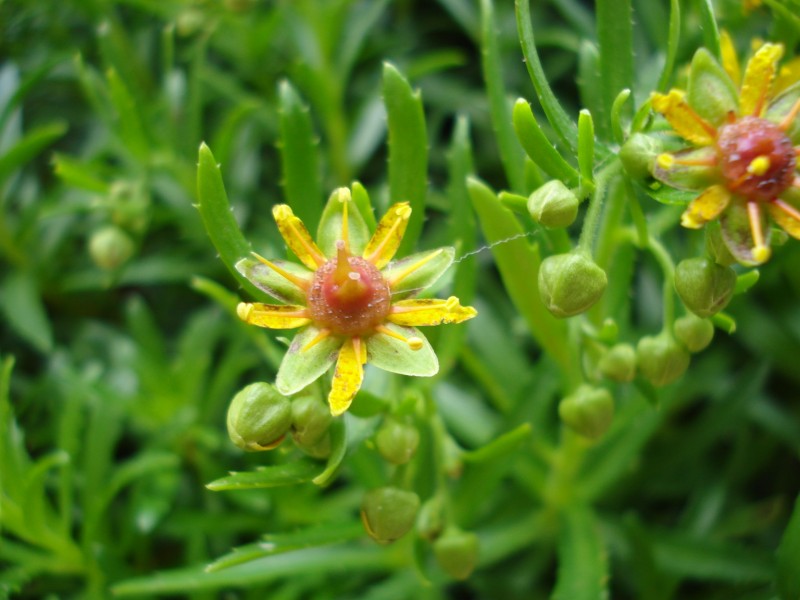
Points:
(344, 198)
(413, 342)
(761, 251)
(323, 334)
(295, 279)
(413, 267)
(786, 122)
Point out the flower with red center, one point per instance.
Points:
(746, 150)
(350, 303)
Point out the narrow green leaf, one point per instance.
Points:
(292, 473)
(217, 216)
(21, 302)
(616, 115)
(745, 281)
(129, 122)
(615, 38)
(338, 431)
(589, 81)
(582, 562)
(538, 147)
(77, 174)
(788, 552)
(30, 146)
(519, 263)
(562, 124)
(279, 543)
(502, 446)
(298, 146)
(725, 322)
(708, 24)
(586, 150)
(672, 45)
(408, 150)
(500, 112)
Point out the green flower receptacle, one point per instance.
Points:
(619, 363)
(553, 205)
(661, 359)
(693, 332)
(638, 155)
(456, 553)
(397, 441)
(110, 247)
(388, 513)
(570, 284)
(588, 411)
(259, 417)
(704, 286)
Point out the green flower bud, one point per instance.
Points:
(638, 155)
(570, 284)
(430, 522)
(388, 513)
(258, 417)
(553, 205)
(661, 359)
(457, 553)
(704, 286)
(397, 441)
(318, 450)
(693, 332)
(588, 411)
(619, 363)
(110, 247)
(311, 419)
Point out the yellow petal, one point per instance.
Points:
(387, 237)
(787, 216)
(273, 316)
(347, 377)
(758, 78)
(687, 123)
(788, 75)
(705, 207)
(422, 312)
(296, 236)
(730, 62)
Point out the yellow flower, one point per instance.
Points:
(350, 303)
(745, 149)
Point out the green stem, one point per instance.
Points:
(664, 260)
(590, 223)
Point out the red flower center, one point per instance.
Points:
(756, 157)
(349, 296)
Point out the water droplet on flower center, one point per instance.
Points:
(757, 158)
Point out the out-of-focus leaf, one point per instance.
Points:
(29, 146)
(582, 562)
(788, 557)
(21, 302)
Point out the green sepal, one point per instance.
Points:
(704, 286)
(423, 277)
(711, 92)
(689, 177)
(661, 359)
(553, 205)
(780, 107)
(394, 355)
(311, 420)
(301, 367)
(638, 155)
(330, 225)
(273, 283)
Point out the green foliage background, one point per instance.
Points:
(115, 382)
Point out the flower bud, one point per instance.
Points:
(570, 284)
(588, 411)
(388, 513)
(553, 205)
(258, 417)
(638, 155)
(704, 286)
(661, 359)
(397, 441)
(619, 363)
(110, 247)
(430, 522)
(311, 419)
(693, 332)
(457, 553)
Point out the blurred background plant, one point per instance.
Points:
(122, 351)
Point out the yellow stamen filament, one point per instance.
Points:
(323, 334)
(413, 342)
(788, 209)
(759, 165)
(761, 251)
(786, 122)
(360, 349)
(303, 284)
(411, 268)
(344, 198)
(404, 212)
